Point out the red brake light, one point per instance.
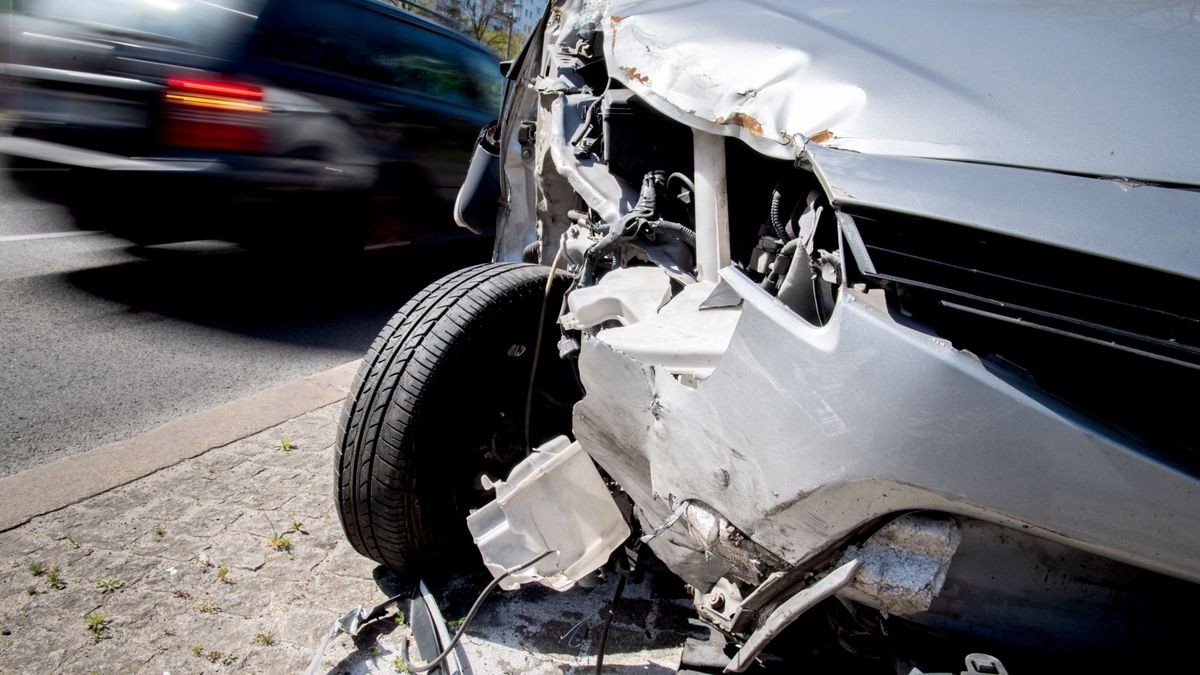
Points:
(216, 88)
(214, 114)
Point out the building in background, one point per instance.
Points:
(525, 15)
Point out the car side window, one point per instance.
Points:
(322, 34)
(484, 71)
(360, 43)
(426, 62)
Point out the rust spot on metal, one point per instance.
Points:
(634, 74)
(821, 136)
(617, 19)
(739, 119)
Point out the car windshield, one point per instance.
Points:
(193, 22)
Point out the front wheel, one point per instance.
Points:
(440, 401)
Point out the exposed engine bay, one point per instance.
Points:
(816, 387)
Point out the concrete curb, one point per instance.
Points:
(67, 481)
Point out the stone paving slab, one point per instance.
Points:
(195, 587)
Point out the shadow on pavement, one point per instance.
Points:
(294, 297)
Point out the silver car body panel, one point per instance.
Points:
(1062, 86)
(802, 434)
(1141, 224)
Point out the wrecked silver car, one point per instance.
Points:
(880, 312)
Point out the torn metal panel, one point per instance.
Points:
(926, 79)
(792, 609)
(619, 449)
(788, 440)
(682, 338)
(749, 562)
(608, 195)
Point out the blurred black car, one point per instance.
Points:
(195, 102)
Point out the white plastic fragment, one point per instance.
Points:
(554, 500)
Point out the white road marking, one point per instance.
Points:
(46, 235)
(390, 244)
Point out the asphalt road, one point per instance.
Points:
(101, 340)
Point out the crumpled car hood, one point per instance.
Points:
(1094, 88)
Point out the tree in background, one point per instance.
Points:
(488, 21)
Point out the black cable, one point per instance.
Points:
(430, 665)
(684, 233)
(776, 223)
(683, 179)
(537, 349)
(612, 611)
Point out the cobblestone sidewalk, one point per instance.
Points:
(234, 562)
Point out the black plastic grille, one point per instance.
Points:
(1117, 341)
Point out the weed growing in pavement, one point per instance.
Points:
(109, 585)
(286, 445)
(37, 568)
(278, 542)
(214, 656)
(208, 607)
(97, 623)
(222, 572)
(159, 531)
(399, 665)
(54, 579)
(399, 618)
(373, 651)
(160, 649)
(32, 590)
(264, 639)
(72, 542)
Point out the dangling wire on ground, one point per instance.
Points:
(430, 665)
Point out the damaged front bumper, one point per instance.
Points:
(802, 435)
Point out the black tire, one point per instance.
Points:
(440, 400)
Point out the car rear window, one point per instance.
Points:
(196, 23)
(357, 41)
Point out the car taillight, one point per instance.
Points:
(212, 114)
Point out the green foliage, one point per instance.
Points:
(280, 543)
(54, 579)
(96, 624)
(109, 585)
(264, 639)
